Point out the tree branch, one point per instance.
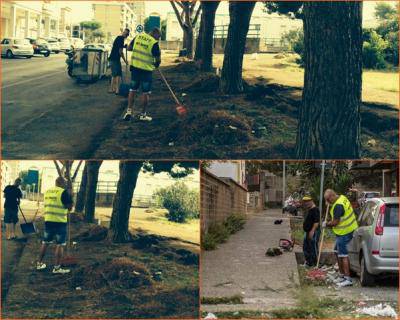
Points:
(197, 15)
(58, 168)
(76, 171)
(178, 16)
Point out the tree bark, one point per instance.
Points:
(199, 40)
(81, 197)
(209, 8)
(239, 21)
(93, 168)
(329, 118)
(128, 174)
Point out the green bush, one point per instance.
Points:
(181, 202)
(295, 40)
(374, 51)
(219, 233)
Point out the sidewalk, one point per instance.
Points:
(240, 267)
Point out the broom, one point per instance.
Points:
(69, 260)
(180, 108)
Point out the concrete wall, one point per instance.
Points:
(219, 198)
(252, 45)
(171, 45)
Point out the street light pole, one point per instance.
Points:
(284, 183)
(321, 188)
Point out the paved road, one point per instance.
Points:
(241, 267)
(45, 114)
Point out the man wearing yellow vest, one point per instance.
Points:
(57, 204)
(343, 223)
(145, 58)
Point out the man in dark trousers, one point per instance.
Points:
(311, 232)
(117, 52)
(145, 58)
(57, 204)
(12, 195)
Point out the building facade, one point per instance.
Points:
(34, 19)
(114, 18)
(139, 8)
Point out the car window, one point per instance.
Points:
(367, 218)
(21, 41)
(360, 216)
(391, 215)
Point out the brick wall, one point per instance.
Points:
(219, 198)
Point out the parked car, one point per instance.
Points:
(54, 45)
(364, 195)
(40, 46)
(13, 47)
(65, 45)
(77, 43)
(373, 252)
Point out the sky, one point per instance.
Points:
(82, 10)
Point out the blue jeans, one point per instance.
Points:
(310, 248)
(55, 231)
(141, 79)
(341, 245)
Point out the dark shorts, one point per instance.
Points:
(116, 68)
(55, 232)
(141, 79)
(341, 245)
(10, 215)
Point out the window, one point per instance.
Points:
(391, 215)
(367, 217)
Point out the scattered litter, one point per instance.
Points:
(380, 310)
(74, 243)
(286, 244)
(361, 303)
(272, 252)
(316, 274)
(252, 131)
(183, 94)
(171, 144)
(371, 142)
(78, 288)
(211, 316)
(232, 128)
(262, 128)
(279, 221)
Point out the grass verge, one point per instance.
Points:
(236, 299)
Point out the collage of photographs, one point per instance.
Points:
(200, 159)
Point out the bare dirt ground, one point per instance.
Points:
(150, 277)
(261, 123)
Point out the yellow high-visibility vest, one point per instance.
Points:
(348, 222)
(141, 56)
(54, 210)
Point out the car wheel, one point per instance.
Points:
(28, 57)
(9, 54)
(47, 54)
(56, 52)
(366, 278)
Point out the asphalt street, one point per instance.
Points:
(46, 114)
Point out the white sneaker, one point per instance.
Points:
(40, 266)
(128, 115)
(145, 117)
(345, 283)
(59, 270)
(339, 279)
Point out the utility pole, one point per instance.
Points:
(284, 184)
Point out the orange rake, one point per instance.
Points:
(180, 108)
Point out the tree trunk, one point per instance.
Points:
(91, 189)
(329, 118)
(239, 21)
(209, 8)
(199, 40)
(189, 42)
(128, 174)
(81, 197)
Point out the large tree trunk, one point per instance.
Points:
(239, 21)
(93, 168)
(189, 42)
(128, 174)
(209, 8)
(199, 40)
(329, 118)
(81, 197)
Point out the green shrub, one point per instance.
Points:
(295, 40)
(374, 51)
(181, 202)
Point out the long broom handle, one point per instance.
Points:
(322, 237)
(169, 88)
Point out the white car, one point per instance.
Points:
(53, 45)
(65, 45)
(77, 43)
(13, 47)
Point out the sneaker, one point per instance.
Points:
(339, 279)
(128, 115)
(59, 270)
(40, 266)
(345, 283)
(145, 117)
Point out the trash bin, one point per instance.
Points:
(90, 64)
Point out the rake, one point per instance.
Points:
(180, 108)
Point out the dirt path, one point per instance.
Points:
(103, 284)
(240, 267)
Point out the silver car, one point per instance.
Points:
(374, 249)
(13, 47)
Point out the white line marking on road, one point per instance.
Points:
(31, 79)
